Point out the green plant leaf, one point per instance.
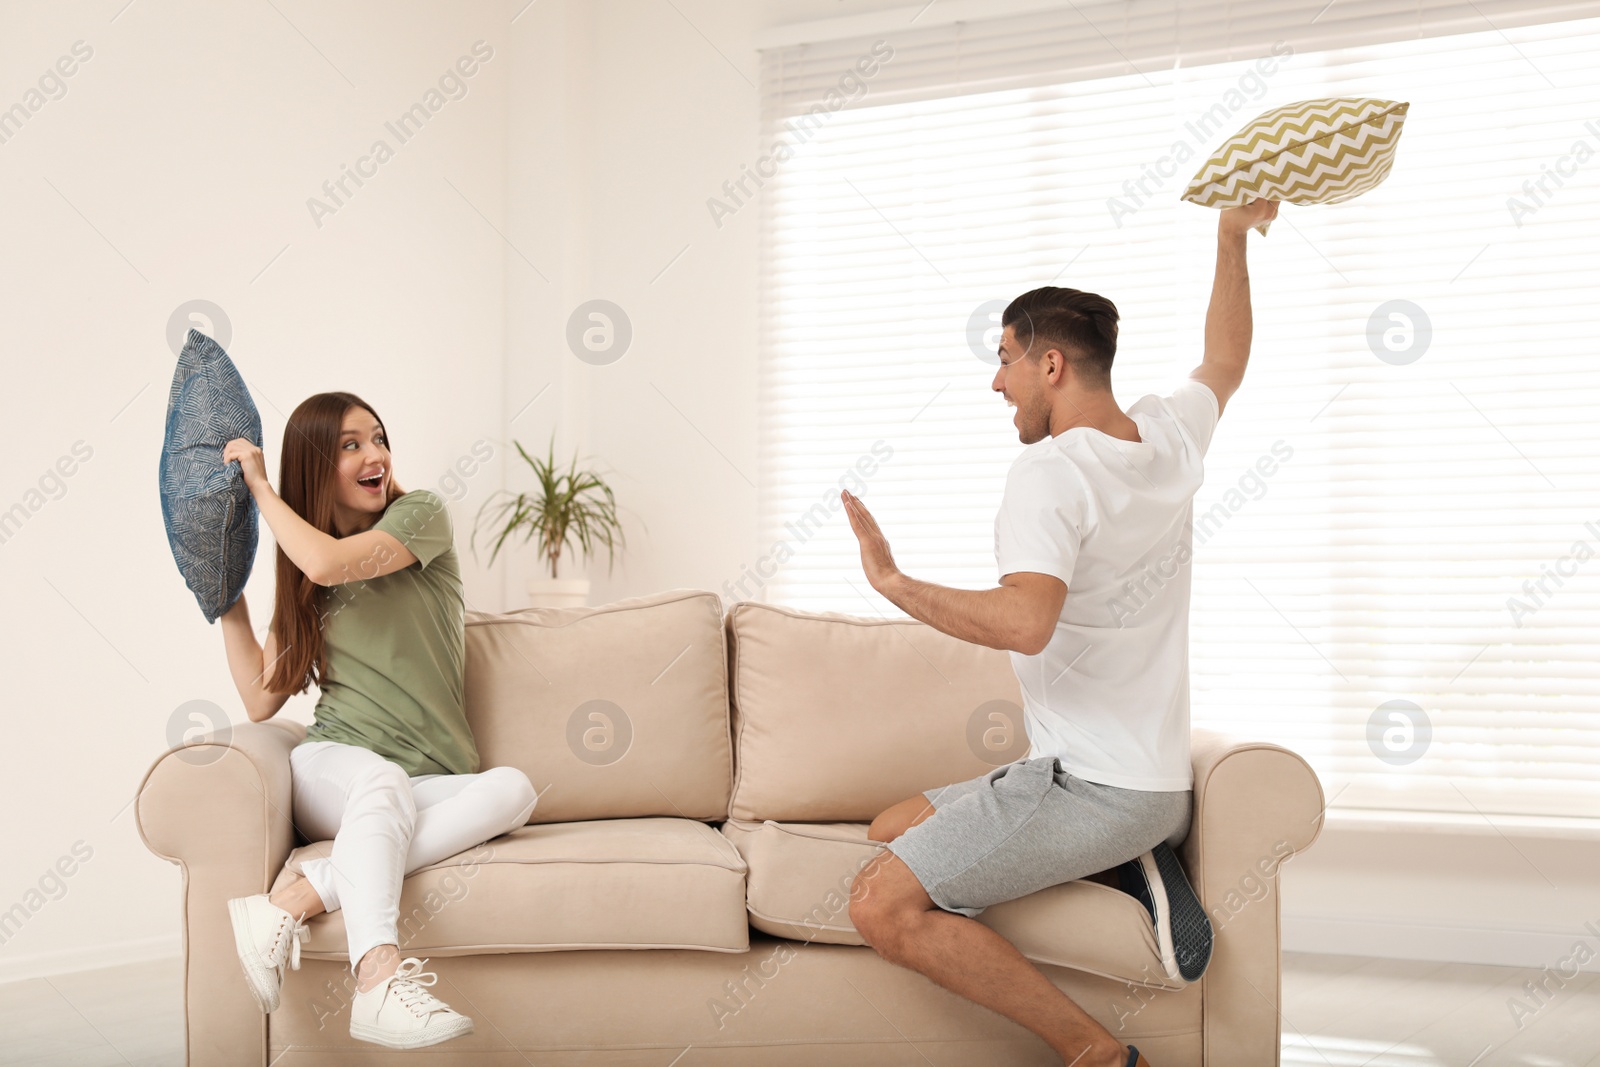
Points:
(572, 509)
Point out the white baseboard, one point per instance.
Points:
(48, 964)
(1531, 949)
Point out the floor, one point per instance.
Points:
(1350, 1010)
(131, 1014)
(1338, 1011)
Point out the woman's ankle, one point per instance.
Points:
(299, 898)
(375, 966)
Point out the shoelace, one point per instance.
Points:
(408, 983)
(298, 934)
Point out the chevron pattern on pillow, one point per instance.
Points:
(211, 518)
(1311, 152)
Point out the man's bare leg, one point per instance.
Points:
(898, 819)
(895, 915)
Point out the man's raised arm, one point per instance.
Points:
(1228, 324)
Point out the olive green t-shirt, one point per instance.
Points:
(396, 649)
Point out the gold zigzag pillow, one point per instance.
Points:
(1312, 152)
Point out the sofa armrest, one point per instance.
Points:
(221, 809)
(1255, 806)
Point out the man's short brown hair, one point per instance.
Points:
(1082, 326)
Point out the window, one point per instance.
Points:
(1401, 519)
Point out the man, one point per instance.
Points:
(1092, 542)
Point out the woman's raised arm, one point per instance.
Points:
(325, 559)
(250, 664)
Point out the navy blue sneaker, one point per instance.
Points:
(1136, 1060)
(1183, 930)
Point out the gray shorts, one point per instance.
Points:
(1028, 825)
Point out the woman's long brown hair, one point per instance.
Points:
(308, 483)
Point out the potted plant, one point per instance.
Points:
(571, 508)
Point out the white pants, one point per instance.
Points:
(385, 824)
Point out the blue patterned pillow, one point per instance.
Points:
(210, 515)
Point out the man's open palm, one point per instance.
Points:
(876, 560)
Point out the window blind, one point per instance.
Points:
(1393, 571)
(1091, 39)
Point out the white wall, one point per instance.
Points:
(190, 142)
(612, 185)
(1468, 891)
(177, 166)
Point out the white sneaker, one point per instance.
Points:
(268, 938)
(400, 1013)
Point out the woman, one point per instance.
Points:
(369, 607)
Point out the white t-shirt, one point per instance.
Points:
(1109, 695)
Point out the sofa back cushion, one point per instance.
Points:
(618, 711)
(838, 717)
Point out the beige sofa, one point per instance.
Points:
(680, 895)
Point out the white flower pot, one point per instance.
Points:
(558, 592)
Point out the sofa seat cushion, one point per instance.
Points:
(800, 875)
(614, 883)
